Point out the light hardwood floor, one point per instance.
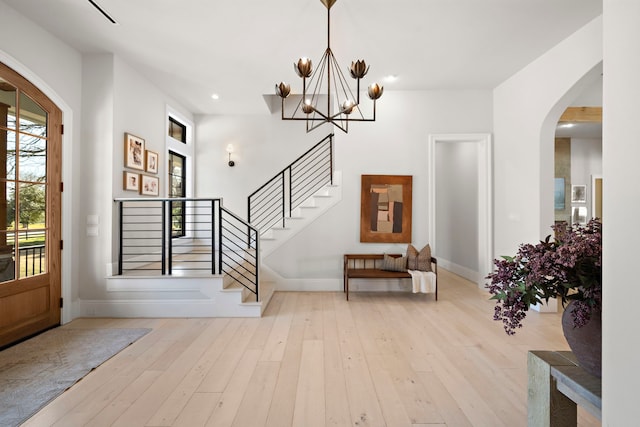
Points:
(314, 359)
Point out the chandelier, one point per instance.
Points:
(341, 105)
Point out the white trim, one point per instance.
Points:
(485, 195)
(67, 311)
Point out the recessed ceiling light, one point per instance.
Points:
(391, 78)
(566, 125)
(215, 96)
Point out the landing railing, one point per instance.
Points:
(276, 199)
(185, 236)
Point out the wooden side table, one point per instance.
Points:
(556, 386)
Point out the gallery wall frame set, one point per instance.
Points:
(138, 158)
(385, 208)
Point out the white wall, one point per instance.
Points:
(621, 151)
(526, 110)
(31, 54)
(586, 161)
(116, 99)
(457, 204)
(396, 144)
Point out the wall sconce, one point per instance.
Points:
(230, 150)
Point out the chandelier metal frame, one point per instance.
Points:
(342, 106)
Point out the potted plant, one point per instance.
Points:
(567, 266)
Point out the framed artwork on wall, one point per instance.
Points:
(131, 181)
(149, 185)
(578, 194)
(133, 152)
(558, 194)
(385, 208)
(151, 161)
(579, 215)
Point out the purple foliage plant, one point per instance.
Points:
(568, 267)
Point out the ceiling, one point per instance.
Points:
(240, 49)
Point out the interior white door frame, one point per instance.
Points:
(485, 194)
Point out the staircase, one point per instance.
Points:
(214, 269)
(308, 211)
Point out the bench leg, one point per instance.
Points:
(347, 287)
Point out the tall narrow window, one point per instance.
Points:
(177, 188)
(177, 130)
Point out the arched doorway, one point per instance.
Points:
(30, 208)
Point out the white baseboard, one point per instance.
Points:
(465, 272)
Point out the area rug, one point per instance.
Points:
(38, 370)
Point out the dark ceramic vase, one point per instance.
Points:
(585, 342)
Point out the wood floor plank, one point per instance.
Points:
(447, 406)
(182, 393)
(218, 376)
(363, 401)
(381, 359)
(116, 406)
(197, 410)
(225, 411)
(254, 408)
(392, 405)
(310, 405)
(276, 343)
(284, 395)
(150, 402)
(336, 400)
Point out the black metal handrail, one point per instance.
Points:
(213, 240)
(273, 201)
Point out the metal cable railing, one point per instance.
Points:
(186, 236)
(270, 204)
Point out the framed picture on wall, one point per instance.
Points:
(131, 181)
(133, 152)
(579, 215)
(558, 194)
(385, 208)
(151, 161)
(149, 185)
(578, 194)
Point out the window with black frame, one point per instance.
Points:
(177, 188)
(177, 130)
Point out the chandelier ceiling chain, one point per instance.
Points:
(328, 81)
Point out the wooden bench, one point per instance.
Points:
(369, 266)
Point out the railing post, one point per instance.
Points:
(331, 159)
(213, 236)
(290, 194)
(164, 237)
(257, 265)
(219, 237)
(120, 236)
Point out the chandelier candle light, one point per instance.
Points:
(342, 106)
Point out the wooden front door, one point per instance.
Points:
(30, 208)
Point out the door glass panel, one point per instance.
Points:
(8, 206)
(7, 230)
(7, 265)
(33, 158)
(31, 206)
(7, 105)
(8, 139)
(33, 119)
(32, 253)
(31, 229)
